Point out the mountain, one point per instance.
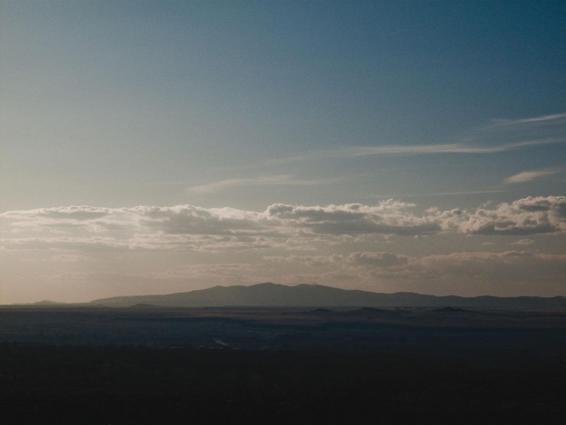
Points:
(272, 295)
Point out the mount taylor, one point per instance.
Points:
(275, 295)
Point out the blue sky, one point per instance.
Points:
(242, 104)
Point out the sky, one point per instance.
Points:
(155, 147)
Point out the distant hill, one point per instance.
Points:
(272, 295)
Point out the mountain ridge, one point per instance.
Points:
(270, 294)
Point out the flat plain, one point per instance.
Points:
(77, 364)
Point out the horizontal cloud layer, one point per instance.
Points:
(279, 225)
(192, 227)
(527, 216)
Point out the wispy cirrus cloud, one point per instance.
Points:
(275, 180)
(439, 194)
(549, 118)
(527, 176)
(499, 136)
(411, 150)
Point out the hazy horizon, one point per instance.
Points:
(159, 147)
(260, 284)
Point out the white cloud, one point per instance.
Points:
(527, 176)
(188, 227)
(527, 216)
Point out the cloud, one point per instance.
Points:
(512, 267)
(527, 216)
(523, 242)
(276, 180)
(355, 259)
(411, 150)
(527, 176)
(476, 263)
(142, 227)
(456, 193)
(464, 272)
(285, 226)
(501, 135)
(377, 259)
(549, 118)
(309, 260)
(387, 217)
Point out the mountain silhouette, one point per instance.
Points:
(304, 295)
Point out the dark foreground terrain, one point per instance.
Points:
(241, 365)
